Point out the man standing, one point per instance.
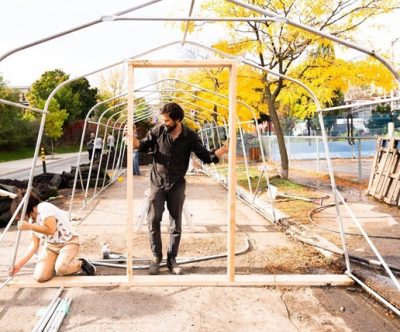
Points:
(172, 143)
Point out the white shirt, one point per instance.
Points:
(110, 140)
(64, 230)
(98, 143)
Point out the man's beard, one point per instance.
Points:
(171, 128)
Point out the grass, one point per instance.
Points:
(282, 184)
(16, 155)
(296, 209)
(67, 149)
(25, 153)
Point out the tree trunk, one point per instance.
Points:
(284, 172)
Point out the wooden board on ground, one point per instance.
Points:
(187, 281)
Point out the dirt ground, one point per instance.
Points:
(194, 308)
(380, 221)
(200, 309)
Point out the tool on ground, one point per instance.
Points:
(122, 259)
(107, 254)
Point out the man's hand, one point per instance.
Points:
(24, 226)
(222, 150)
(225, 147)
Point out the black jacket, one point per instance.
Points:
(171, 158)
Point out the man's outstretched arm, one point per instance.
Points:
(206, 156)
(146, 143)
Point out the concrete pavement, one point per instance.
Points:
(10, 167)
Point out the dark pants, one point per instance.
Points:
(174, 198)
(97, 153)
(136, 168)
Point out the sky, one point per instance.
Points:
(24, 21)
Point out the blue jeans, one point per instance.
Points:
(136, 169)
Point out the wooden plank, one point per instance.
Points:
(207, 63)
(375, 163)
(394, 195)
(393, 178)
(231, 210)
(187, 281)
(129, 182)
(386, 181)
(385, 175)
(381, 171)
(381, 168)
(394, 198)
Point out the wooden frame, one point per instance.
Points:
(231, 211)
(230, 279)
(187, 281)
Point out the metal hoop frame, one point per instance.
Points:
(269, 16)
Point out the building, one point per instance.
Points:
(22, 90)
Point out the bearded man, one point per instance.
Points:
(172, 144)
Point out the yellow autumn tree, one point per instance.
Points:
(282, 47)
(213, 106)
(325, 75)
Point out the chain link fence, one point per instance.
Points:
(351, 157)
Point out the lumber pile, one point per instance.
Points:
(384, 182)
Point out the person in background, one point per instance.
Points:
(90, 145)
(110, 142)
(60, 241)
(136, 168)
(98, 145)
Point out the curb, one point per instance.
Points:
(27, 168)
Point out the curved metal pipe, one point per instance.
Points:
(10, 103)
(144, 53)
(77, 28)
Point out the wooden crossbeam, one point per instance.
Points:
(187, 281)
(207, 63)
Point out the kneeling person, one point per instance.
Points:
(61, 243)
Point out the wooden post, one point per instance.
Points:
(231, 208)
(129, 175)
